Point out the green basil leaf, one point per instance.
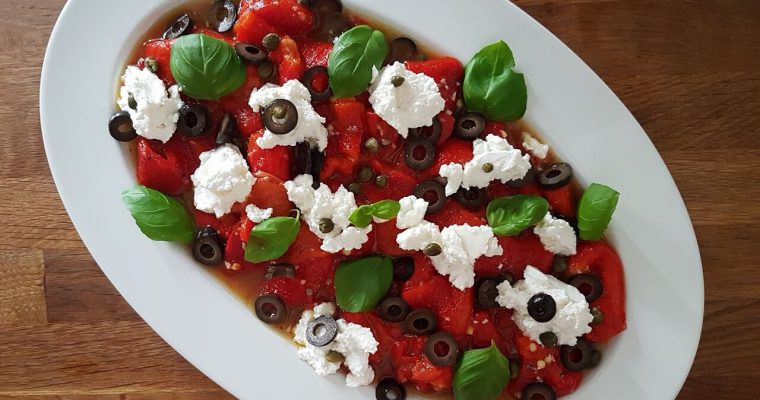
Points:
(492, 87)
(350, 63)
(361, 217)
(511, 215)
(481, 374)
(206, 68)
(595, 211)
(361, 284)
(386, 209)
(271, 238)
(158, 216)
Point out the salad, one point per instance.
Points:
(383, 206)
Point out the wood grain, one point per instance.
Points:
(688, 70)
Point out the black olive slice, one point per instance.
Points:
(317, 163)
(538, 391)
(403, 268)
(432, 192)
(472, 198)
(302, 162)
(251, 53)
(420, 322)
(401, 50)
(193, 119)
(487, 293)
(180, 26)
(432, 133)
(321, 331)
(270, 309)
(441, 349)
(556, 176)
(223, 15)
(542, 307)
(419, 154)
(207, 247)
(280, 269)
(333, 6)
(589, 285)
(390, 389)
(525, 180)
(469, 126)
(578, 357)
(280, 117)
(120, 127)
(228, 133)
(308, 81)
(393, 309)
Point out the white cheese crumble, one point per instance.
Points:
(321, 204)
(256, 214)
(310, 127)
(507, 164)
(556, 235)
(534, 146)
(411, 105)
(461, 245)
(157, 111)
(353, 341)
(572, 318)
(412, 212)
(221, 180)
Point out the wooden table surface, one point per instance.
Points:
(688, 70)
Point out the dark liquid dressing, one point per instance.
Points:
(245, 284)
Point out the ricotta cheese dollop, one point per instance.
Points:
(310, 127)
(461, 245)
(534, 146)
(412, 104)
(256, 214)
(321, 204)
(556, 235)
(221, 180)
(353, 341)
(572, 318)
(411, 213)
(157, 111)
(506, 162)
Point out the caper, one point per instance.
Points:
(432, 250)
(132, 102)
(151, 64)
(279, 112)
(372, 145)
(271, 41)
(326, 225)
(381, 181)
(333, 356)
(265, 70)
(598, 316)
(365, 174)
(355, 187)
(549, 339)
(487, 167)
(559, 265)
(397, 80)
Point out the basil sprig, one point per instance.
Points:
(361, 284)
(384, 209)
(272, 238)
(158, 216)
(481, 374)
(350, 63)
(492, 87)
(595, 211)
(206, 68)
(511, 215)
